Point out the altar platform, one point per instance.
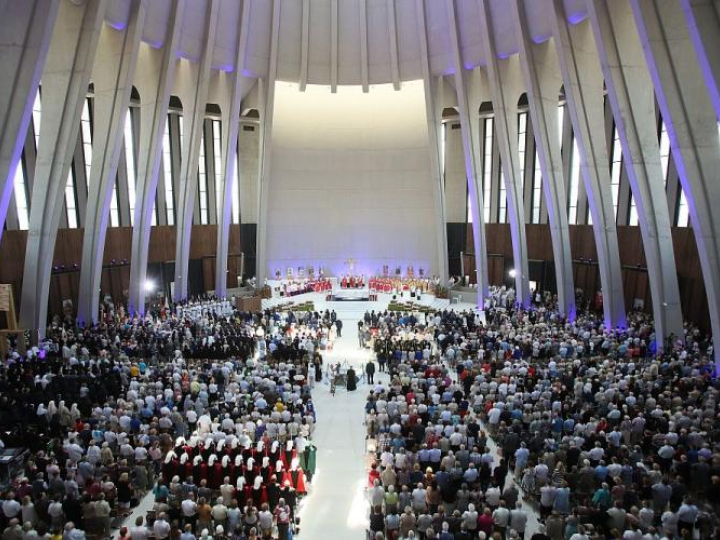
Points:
(353, 295)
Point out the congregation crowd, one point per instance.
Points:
(207, 408)
(522, 424)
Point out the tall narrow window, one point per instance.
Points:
(574, 184)
(664, 151)
(21, 197)
(130, 162)
(502, 202)
(615, 169)
(182, 137)
(202, 183)
(36, 113)
(236, 191)
(683, 213)
(168, 176)
(71, 201)
(487, 167)
(217, 161)
(536, 191)
(633, 212)
(114, 209)
(522, 141)
(561, 123)
(86, 133)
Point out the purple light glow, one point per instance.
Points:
(576, 18)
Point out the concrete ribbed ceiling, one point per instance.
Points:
(348, 25)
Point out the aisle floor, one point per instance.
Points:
(337, 503)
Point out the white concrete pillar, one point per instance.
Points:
(65, 82)
(470, 129)
(154, 79)
(266, 97)
(542, 82)
(25, 30)
(193, 82)
(631, 96)
(583, 82)
(506, 86)
(433, 107)
(113, 73)
(231, 108)
(691, 123)
(703, 21)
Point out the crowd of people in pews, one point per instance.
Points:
(206, 410)
(523, 424)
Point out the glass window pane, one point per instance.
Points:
(71, 201)
(217, 160)
(487, 167)
(168, 176)
(20, 189)
(86, 133)
(574, 185)
(37, 111)
(130, 162)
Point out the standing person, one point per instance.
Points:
(370, 372)
(361, 334)
(282, 515)
(338, 326)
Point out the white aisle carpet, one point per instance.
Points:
(336, 506)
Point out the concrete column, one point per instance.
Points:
(505, 88)
(230, 127)
(112, 77)
(542, 82)
(703, 21)
(582, 78)
(688, 113)
(433, 107)
(65, 82)
(193, 82)
(632, 99)
(25, 30)
(154, 78)
(266, 95)
(470, 127)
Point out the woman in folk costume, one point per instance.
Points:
(170, 465)
(216, 472)
(228, 467)
(274, 453)
(242, 493)
(251, 470)
(186, 465)
(289, 454)
(237, 469)
(258, 492)
(266, 470)
(296, 477)
(200, 469)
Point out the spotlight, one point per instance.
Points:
(512, 273)
(149, 285)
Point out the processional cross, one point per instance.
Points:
(351, 264)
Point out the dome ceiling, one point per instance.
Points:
(344, 19)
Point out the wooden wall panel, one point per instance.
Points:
(115, 277)
(585, 270)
